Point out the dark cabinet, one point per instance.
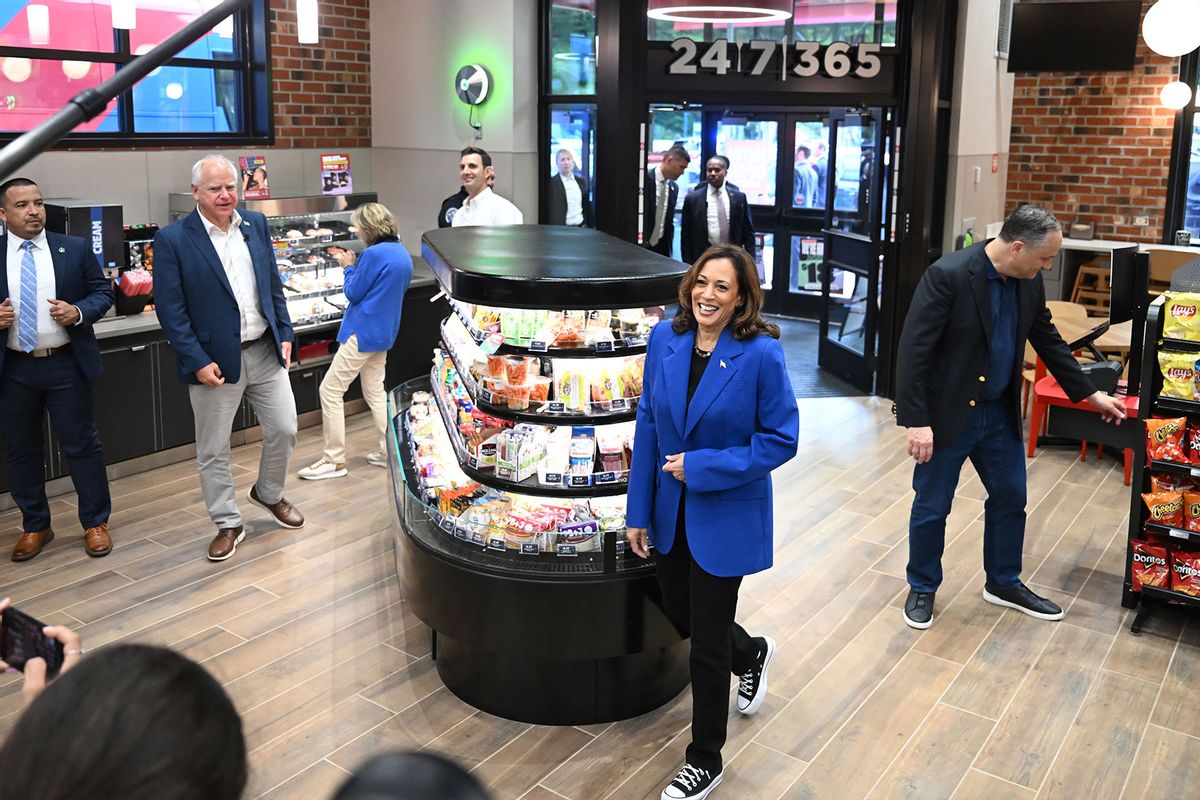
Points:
(125, 410)
(176, 425)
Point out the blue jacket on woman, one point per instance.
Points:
(741, 424)
(375, 287)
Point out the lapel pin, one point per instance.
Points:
(722, 365)
(62, 249)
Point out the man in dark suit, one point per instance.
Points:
(568, 192)
(659, 196)
(54, 291)
(959, 378)
(220, 301)
(715, 213)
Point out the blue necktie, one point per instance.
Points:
(27, 319)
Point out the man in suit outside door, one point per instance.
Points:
(54, 291)
(715, 213)
(659, 196)
(220, 301)
(958, 389)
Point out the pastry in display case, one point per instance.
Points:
(510, 465)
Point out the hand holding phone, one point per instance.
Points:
(40, 651)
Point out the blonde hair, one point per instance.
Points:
(374, 222)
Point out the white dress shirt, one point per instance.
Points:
(574, 200)
(661, 195)
(49, 332)
(233, 250)
(487, 208)
(714, 236)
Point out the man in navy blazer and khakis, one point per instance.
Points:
(53, 290)
(220, 301)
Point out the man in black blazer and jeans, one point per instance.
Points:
(959, 379)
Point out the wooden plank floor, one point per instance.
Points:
(309, 633)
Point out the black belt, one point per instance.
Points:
(252, 342)
(40, 353)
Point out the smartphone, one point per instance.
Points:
(21, 638)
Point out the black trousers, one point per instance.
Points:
(29, 387)
(703, 606)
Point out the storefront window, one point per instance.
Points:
(573, 47)
(810, 167)
(1191, 209)
(573, 130)
(752, 147)
(669, 127)
(823, 21)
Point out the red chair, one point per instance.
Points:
(1046, 393)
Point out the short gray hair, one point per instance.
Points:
(1029, 224)
(199, 165)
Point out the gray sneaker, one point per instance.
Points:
(323, 469)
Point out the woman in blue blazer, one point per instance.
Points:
(717, 414)
(375, 288)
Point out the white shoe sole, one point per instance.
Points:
(996, 601)
(383, 464)
(320, 476)
(267, 508)
(914, 624)
(232, 550)
(761, 697)
(716, 782)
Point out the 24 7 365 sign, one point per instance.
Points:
(782, 60)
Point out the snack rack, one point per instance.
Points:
(516, 559)
(1140, 523)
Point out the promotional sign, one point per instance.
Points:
(254, 177)
(335, 173)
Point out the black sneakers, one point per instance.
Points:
(692, 783)
(752, 688)
(918, 609)
(1023, 600)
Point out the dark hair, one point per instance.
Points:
(410, 776)
(747, 321)
(807, 150)
(10, 183)
(477, 151)
(720, 158)
(131, 721)
(678, 152)
(1029, 224)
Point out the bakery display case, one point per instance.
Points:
(510, 463)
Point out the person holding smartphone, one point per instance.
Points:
(35, 669)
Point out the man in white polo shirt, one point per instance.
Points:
(482, 206)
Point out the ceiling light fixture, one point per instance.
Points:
(1172, 27)
(124, 14)
(306, 22)
(706, 11)
(38, 18)
(1176, 95)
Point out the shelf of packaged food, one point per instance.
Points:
(1159, 465)
(310, 241)
(1177, 405)
(1170, 596)
(550, 412)
(624, 346)
(1172, 531)
(597, 484)
(294, 295)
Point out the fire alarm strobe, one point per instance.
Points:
(473, 84)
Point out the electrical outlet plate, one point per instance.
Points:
(1143, 221)
(968, 224)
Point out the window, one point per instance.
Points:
(573, 47)
(51, 50)
(823, 21)
(573, 129)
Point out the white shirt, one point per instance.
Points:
(711, 200)
(234, 252)
(660, 212)
(49, 332)
(487, 208)
(574, 200)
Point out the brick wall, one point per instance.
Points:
(1095, 146)
(322, 91)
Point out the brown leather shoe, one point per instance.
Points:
(96, 541)
(30, 544)
(284, 512)
(226, 543)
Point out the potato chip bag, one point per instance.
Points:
(1179, 375)
(1151, 566)
(1191, 511)
(1181, 316)
(1166, 508)
(1164, 439)
(1185, 573)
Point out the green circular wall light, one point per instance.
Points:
(473, 84)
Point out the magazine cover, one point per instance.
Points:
(335, 173)
(254, 177)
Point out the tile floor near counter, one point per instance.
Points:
(309, 634)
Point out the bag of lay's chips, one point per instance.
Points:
(1179, 375)
(1182, 316)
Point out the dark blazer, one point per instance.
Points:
(649, 196)
(80, 281)
(195, 303)
(741, 424)
(693, 239)
(558, 201)
(945, 346)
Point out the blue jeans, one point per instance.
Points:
(993, 443)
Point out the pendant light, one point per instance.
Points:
(124, 14)
(721, 13)
(38, 18)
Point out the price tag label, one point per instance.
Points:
(635, 341)
(580, 481)
(604, 347)
(622, 546)
(447, 525)
(326, 238)
(461, 532)
(556, 407)
(495, 544)
(553, 479)
(485, 396)
(506, 473)
(1195, 472)
(530, 550)
(472, 462)
(567, 550)
(477, 537)
(538, 346)
(620, 404)
(606, 477)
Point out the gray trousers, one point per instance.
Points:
(265, 384)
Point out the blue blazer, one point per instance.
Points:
(80, 281)
(741, 424)
(195, 303)
(375, 287)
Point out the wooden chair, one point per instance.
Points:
(1162, 263)
(1092, 286)
(1034, 370)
